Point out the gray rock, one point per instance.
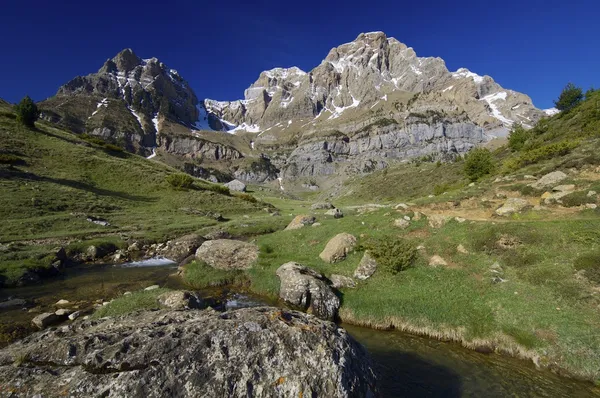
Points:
(322, 206)
(252, 352)
(549, 180)
(341, 281)
(236, 185)
(75, 315)
(151, 287)
(401, 223)
(62, 302)
(63, 312)
(437, 220)
(436, 261)
(300, 221)
(335, 213)
(228, 254)
(307, 289)
(338, 247)
(513, 205)
(564, 188)
(181, 248)
(46, 319)
(366, 268)
(180, 300)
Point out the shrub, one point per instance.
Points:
(27, 112)
(393, 254)
(547, 152)
(247, 197)
(570, 97)
(440, 189)
(577, 199)
(478, 163)
(180, 180)
(590, 264)
(223, 190)
(517, 137)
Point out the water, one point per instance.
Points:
(409, 366)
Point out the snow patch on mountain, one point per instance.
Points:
(339, 109)
(103, 103)
(155, 122)
(464, 72)
(251, 128)
(491, 99)
(551, 111)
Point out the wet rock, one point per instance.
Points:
(307, 289)
(338, 247)
(513, 205)
(341, 281)
(251, 352)
(236, 185)
(181, 248)
(180, 300)
(300, 221)
(366, 268)
(322, 206)
(46, 319)
(228, 254)
(335, 213)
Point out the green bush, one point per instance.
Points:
(517, 138)
(590, 264)
(577, 199)
(180, 180)
(393, 254)
(27, 112)
(223, 190)
(247, 197)
(569, 98)
(440, 189)
(478, 163)
(547, 152)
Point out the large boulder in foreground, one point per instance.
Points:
(307, 289)
(338, 247)
(228, 254)
(252, 352)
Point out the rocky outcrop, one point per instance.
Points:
(366, 268)
(258, 352)
(549, 180)
(300, 221)
(513, 205)
(308, 290)
(197, 148)
(338, 247)
(228, 254)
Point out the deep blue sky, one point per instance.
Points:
(220, 47)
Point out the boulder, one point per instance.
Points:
(62, 302)
(236, 185)
(300, 221)
(322, 206)
(13, 303)
(341, 281)
(335, 213)
(338, 247)
(564, 188)
(307, 289)
(251, 352)
(513, 205)
(401, 206)
(401, 223)
(180, 300)
(438, 220)
(436, 261)
(366, 268)
(461, 249)
(46, 319)
(228, 254)
(549, 180)
(181, 248)
(152, 287)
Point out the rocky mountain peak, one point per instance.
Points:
(126, 60)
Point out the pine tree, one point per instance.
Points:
(570, 96)
(27, 112)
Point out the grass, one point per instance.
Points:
(45, 200)
(141, 300)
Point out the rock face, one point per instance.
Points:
(307, 289)
(338, 247)
(366, 268)
(236, 185)
(253, 352)
(513, 205)
(300, 221)
(228, 254)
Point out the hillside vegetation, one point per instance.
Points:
(53, 184)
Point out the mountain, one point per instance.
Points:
(370, 102)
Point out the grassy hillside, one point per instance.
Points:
(51, 181)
